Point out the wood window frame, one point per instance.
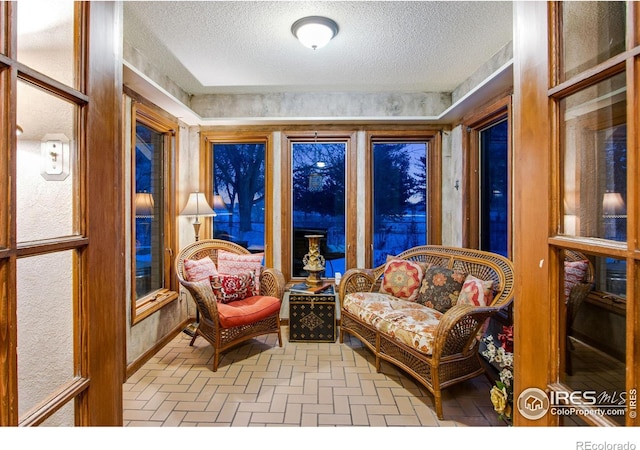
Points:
(154, 119)
(434, 177)
(288, 137)
(472, 126)
(207, 140)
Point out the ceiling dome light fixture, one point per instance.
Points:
(314, 31)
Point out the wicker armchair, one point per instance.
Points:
(577, 295)
(249, 323)
(455, 355)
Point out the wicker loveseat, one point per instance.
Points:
(450, 354)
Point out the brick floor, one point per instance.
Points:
(298, 384)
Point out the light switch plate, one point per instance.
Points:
(55, 154)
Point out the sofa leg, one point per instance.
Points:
(438, 401)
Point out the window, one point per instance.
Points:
(238, 197)
(405, 194)
(488, 170)
(153, 214)
(318, 198)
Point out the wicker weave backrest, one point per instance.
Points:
(205, 247)
(481, 264)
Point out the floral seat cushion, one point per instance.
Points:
(408, 322)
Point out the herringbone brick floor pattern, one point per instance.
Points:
(259, 384)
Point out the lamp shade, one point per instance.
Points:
(314, 31)
(197, 205)
(613, 205)
(219, 206)
(144, 205)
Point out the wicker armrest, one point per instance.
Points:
(272, 283)
(458, 327)
(356, 280)
(203, 295)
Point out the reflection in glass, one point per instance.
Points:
(45, 305)
(46, 150)
(319, 203)
(592, 33)
(239, 194)
(399, 197)
(149, 211)
(595, 161)
(46, 38)
(596, 344)
(494, 189)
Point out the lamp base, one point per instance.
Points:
(190, 329)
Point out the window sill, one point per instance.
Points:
(152, 303)
(610, 302)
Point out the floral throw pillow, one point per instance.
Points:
(401, 278)
(574, 272)
(233, 263)
(228, 288)
(476, 292)
(199, 269)
(440, 288)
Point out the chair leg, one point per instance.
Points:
(216, 359)
(279, 335)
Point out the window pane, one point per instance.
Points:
(45, 286)
(592, 33)
(46, 198)
(239, 178)
(46, 38)
(494, 189)
(319, 203)
(149, 209)
(596, 343)
(64, 417)
(595, 161)
(399, 197)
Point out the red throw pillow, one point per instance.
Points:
(228, 288)
(402, 279)
(476, 292)
(233, 263)
(199, 269)
(574, 272)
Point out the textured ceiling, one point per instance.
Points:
(247, 46)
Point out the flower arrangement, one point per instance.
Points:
(502, 356)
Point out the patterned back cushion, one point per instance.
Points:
(440, 288)
(232, 263)
(228, 288)
(574, 272)
(476, 292)
(199, 269)
(401, 278)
